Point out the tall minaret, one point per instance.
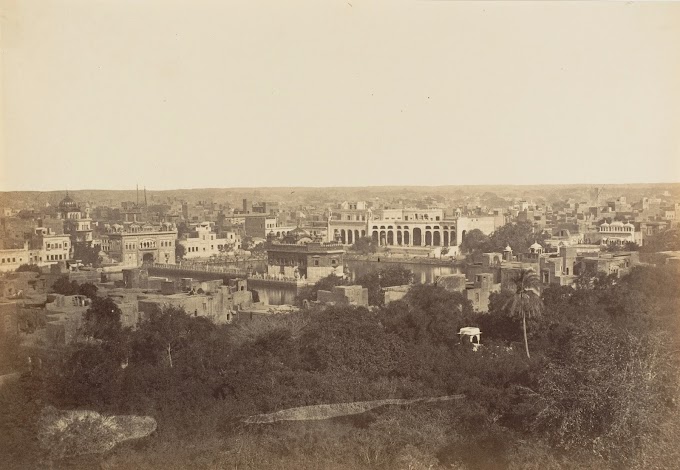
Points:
(145, 204)
(329, 234)
(137, 195)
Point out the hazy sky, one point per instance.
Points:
(170, 94)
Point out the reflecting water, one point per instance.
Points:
(276, 295)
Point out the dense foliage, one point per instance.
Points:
(519, 236)
(65, 287)
(180, 251)
(599, 390)
(89, 255)
(365, 246)
(28, 268)
(668, 240)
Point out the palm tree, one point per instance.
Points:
(526, 300)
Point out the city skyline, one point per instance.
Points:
(240, 96)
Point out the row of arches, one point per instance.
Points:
(349, 236)
(414, 237)
(406, 227)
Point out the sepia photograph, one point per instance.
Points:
(339, 235)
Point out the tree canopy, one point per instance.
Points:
(364, 245)
(65, 287)
(599, 390)
(376, 281)
(28, 268)
(89, 255)
(668, 240)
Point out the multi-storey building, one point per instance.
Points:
(203, 242)
(52, 247)
(407, 227)
(259, 226)
(134, 244)
(43, 248)
(77, 224)
(311, 261)
(619, 233)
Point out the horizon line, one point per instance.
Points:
(513, 185)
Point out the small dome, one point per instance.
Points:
(68, 203)
(299, 231)
(605, 223)
(628, 224)
(536, 246)
(507, 248)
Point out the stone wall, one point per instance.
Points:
(395, 293)
(345, 295)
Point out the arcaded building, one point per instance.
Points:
(406, 227)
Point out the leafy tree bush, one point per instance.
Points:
(25, 268)
(475, 241)
(327, 283)
(668, 240)
(520, 236)
(375, 281)
(597, 392)
(89, 255)
(65, 287)
(180, 251)
(364, 245)
(88, 290)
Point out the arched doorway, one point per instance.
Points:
(350, 237)
(399, 238)
(428, 238)
(436, 239)
(446, 238)
(374, 236)
(407, 237)
(390, 237)
(417, 237)
(148, 258)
